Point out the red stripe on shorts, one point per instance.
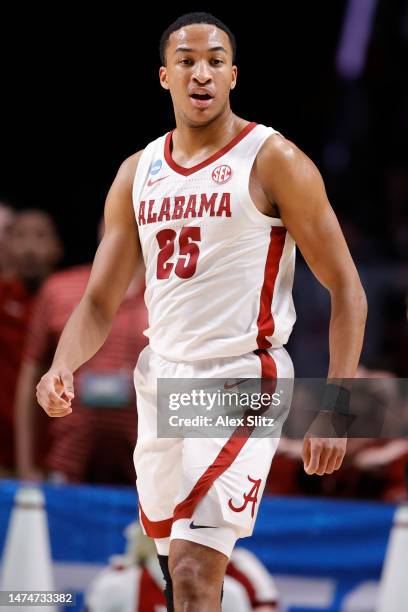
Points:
(155, 529)
(228, 453)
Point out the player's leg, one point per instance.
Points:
(197, 574)
(217, 500)
(201, 544)
(207, 529)
(222, 485)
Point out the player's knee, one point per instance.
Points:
(190, 581)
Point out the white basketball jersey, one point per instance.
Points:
(219, 273)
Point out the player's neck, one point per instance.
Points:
(190, 141)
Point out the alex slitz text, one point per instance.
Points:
(221, 421)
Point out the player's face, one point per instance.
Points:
(199, 73)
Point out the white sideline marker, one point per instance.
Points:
(27, 564)
(393, 593)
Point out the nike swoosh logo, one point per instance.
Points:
(239, 382)
(150, 183)
(192, 526)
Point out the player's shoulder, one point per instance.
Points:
(278, 150)
(281, 163)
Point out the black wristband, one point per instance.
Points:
(336, 399)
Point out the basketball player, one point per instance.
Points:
(215, 207)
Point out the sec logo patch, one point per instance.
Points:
(221, 174)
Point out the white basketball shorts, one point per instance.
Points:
(205, 490)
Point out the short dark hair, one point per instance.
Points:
(192, 19)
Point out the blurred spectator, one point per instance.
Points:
(95, 443)
(34, 246)
(255, 578)
(381, 469)
(378, 465)
(285, 473)
(134, 581)
(7, 216)
(33, 249)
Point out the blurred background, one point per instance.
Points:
(80, 93)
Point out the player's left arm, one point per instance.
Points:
(294, 186)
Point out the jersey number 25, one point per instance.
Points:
(188, 252)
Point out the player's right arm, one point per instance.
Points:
(89, 325)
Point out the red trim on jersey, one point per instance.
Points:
(187, 171)
(268, 365)
(266, 324)
(155, 529)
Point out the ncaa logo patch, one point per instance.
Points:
(221, 174)
(156, 166)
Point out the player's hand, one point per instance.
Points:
(55, 391)
(323, 450)
(323, 455)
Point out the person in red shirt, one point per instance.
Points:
(33, 250)
(96, 444)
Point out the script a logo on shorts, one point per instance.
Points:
(252, 497)
(156, 167)
(221, 174)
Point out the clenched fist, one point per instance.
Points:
(55, 391)
(324, 446)
(323, 455)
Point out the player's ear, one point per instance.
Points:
(163, 77)
(234, 77)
